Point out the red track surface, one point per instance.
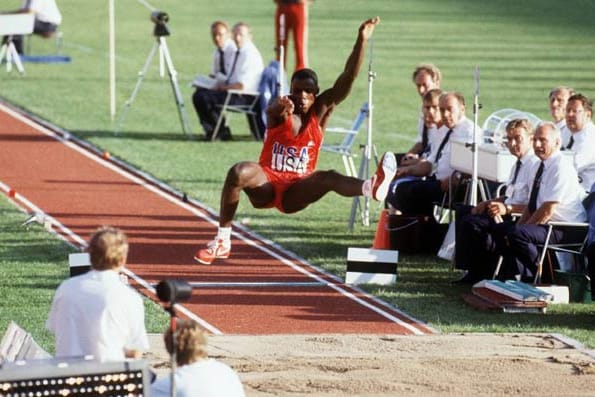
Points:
(71, 182)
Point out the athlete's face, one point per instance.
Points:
(303, 94)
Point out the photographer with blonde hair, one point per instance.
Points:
(96, 313)
(197, 374)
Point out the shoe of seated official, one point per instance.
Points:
(384, 175)
(216, 249)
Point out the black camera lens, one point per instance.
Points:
(173, 291)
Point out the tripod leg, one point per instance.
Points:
(141, 76)
(175, 87)
(16, 58)
(356, 204)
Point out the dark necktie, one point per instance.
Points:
(424, 140)
(221, 61)
(570, 143)
(442, 144)
(517, 168)
(233, 67)
(535, 189)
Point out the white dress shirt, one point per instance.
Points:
(97, 314)
(204, 378)
(45, 10)
(559, 183)
(248, 67)
(463, 130)
(518, 193)
(584, 154)
(229, 50)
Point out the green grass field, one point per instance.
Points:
(523, 49)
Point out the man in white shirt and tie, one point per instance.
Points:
(558, 99)
(556, 195)
(244, 74)
(479, 232)
(418, 197)
(579, 138)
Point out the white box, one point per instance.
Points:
(494, 162)
(16, 23)
(79, 263)
(371, 266)
(559, 292)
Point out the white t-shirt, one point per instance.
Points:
(248, 67)
(97, 314)
(204, 378)
(45, 10)
(518, 193)
(559, 183)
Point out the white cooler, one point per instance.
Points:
(494, 161)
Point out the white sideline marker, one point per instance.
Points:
(371, 266)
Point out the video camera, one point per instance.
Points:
(172, 291)
(160, 19)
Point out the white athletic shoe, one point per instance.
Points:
(384, 175)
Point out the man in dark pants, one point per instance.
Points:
(486, 224)
(244, 75)
(418, 197)
(556, 195)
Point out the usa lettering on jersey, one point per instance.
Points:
(290, 159)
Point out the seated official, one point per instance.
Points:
(480, 230)
(47, 19)
(244, 74)
(96, 313)
(418, 197)
(556, 195)
(579, 137)
(197, 374)
(426, 77)
(558, 99)
(417, 166)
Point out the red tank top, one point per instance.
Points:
(292, 155)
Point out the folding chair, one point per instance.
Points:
(344, 147)
(254, 109)
(575, 245)
(251, 109)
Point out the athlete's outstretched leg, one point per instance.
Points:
(247, 176)
(313, 187)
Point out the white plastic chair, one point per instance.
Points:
(343, 148)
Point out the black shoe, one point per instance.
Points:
(467, 279)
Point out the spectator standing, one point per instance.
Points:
(295, 20)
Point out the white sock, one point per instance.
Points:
(224, 233)
(367, 188)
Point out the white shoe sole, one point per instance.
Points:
(384, 176)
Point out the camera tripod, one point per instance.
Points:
(164, 56)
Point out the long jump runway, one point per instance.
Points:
(261, 289)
